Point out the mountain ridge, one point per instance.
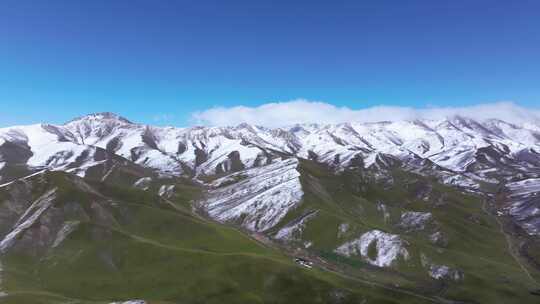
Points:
(453, 144)
(459, 151)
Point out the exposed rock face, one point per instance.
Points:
(388, 248)
(27, 220)
(33, 226)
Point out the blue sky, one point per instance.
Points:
(160, 61)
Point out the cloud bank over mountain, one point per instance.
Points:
(276, 114)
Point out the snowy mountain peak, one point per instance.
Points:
(100, 117)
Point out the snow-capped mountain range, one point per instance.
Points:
(459, 151)
(458, 144)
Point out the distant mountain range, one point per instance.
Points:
(458, 144)
(436, 209)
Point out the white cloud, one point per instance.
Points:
(304, 111)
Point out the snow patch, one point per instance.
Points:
(440, 272)
(64, 232)
(22, 178)
(389, 248)
(166, 190)
(293, 231)
(260, 199)
(414, 221)
(438, 238)
(384, 209)
(525, 204)
(342, 229)
(460, 181)
(524, 187)
(143, 183)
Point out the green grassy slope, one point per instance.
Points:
(130, 244)
(475, 246)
